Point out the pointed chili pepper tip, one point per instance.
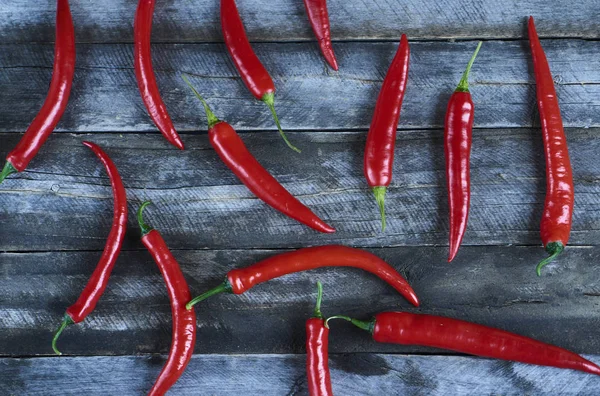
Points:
(143, 226)
(67, 320)
(463, 85)
(379, 193)
(269, 99)
(553, 249)
(210, 116)
(8, 170)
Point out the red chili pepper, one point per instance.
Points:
(381, 140)
(252, 71)
(144, 73)
(317, 352)
(458, 135)
(56, 101)
(230, 147)
(456, 335)
(319, 20)
(240, 280)
(184, 320)
(558, 208)
(92, 292)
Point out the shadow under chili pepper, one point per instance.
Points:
(442, 222)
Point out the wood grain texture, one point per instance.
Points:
(309, 96)
(63, 201)
(352, 375)
(197, 20)
(494, 286)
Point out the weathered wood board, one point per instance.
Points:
(285, 20)
(309, 96)
(276, 375)
(55, 216)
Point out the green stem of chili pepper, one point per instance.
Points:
(269, 99)
(66, 322)
(318, 313)
(361, 324)
(143, 226)
(463, 84)
(210, 116)
(553, 249)
(224, 287)
(379, 193)
(9, 169)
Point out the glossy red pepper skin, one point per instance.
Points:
(58, 95)
(233, 152)
(317, 352)
(144, 73)
(253, 73)
(96, 285)
(470, 338)
(319, 20)
(184, 320)
(458, 137)
(242, 279)
(558, 207)
(381, 139)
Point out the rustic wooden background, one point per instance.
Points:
(55, 216)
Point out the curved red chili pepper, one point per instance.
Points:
(381, 139)
(458, 135)
(253, 73)
(240, 280)
(56, 101)
(232, 151)
(319, 20)
(144, 73)
(184, 321)
(456, 335)
(558, 207)
(317, 352)
(95, 287)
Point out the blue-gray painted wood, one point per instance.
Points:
(285, 20)
(64, 201)
(309, 96)
(276, 375)
(494, 286)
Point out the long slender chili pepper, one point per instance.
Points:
(558, 207)
(230, 147)
(240, 280)
(317, 352)
(144, 73)
(460, 336)
(184, 320)
(253, 73)
(92, 292)
(381, 139)
(458, 135)
(56, 101)
(319, 20)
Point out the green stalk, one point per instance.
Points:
(269, 99)
(66, 322)
(143, 226)
(9, 169)
(224, 287)
(463, 85)
(380, 198)
(553, 249)
(210, 116)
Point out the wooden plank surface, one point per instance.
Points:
(56, 215)
(495, 286)
(64, 202)
(277, 375)
(285, 20)
(105, 96)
